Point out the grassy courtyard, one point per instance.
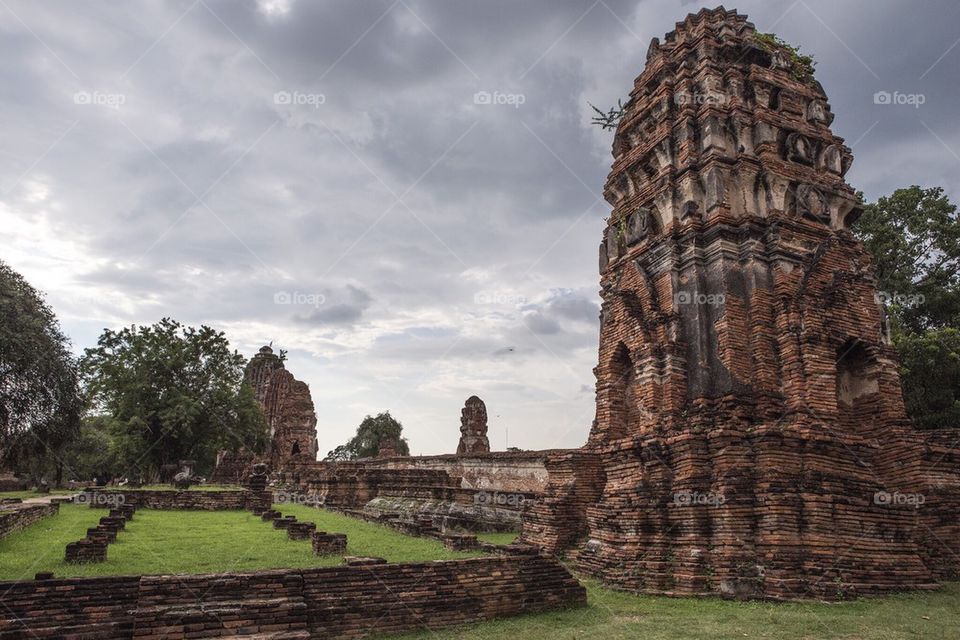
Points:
(611, 615)
(204, 541)
(200, 542)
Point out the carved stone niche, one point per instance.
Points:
(604, 261)
(639, 225)
(779, 60)
(653, 49)
(799, 149)
(831, 159)
(690, 211)
(817, 112)
(812, 204)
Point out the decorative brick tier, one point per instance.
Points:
(14, 517)
(300, 530)
(325, 544)
(175, 500)
(335, 602)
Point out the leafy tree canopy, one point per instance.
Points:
(174, 392)
(371, 432)
(40, 402)
(914, 237)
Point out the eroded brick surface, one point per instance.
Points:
(750, 435)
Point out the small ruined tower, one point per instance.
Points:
(287, 406)
(748, 405)
(473, 427)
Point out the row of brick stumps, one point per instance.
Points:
(426, 527)
(93, 548)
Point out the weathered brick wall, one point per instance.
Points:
(172, 500)
(520, 471)
(15, 517)
(68, 608)
(750, 428)
(336, 602)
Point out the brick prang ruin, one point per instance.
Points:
(749, 416)
(473, 427)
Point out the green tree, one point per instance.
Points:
(914, 238)
(40, 402)
(371, 432)
(93, 454)
(930, 372)
(175, 392)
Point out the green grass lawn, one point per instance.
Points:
(611, 615)
(498, 538)
(215, 541)
(201, 542)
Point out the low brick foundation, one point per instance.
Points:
(284, 522)
(325, 544)
(333, 602)
(87, 550)
(14, 517)
(300, 530)
(177, 500)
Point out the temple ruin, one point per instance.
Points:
(473, 427)
(749, 427)
(750, 437)
(289, 412)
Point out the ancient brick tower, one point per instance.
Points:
(473, 427)
(287, 406)
(749, 411)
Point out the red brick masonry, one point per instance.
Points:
(334, 602)
(15, 517)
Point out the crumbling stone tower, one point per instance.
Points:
(749, 411)
(473, 427)
(287, 406)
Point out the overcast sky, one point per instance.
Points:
(320, 174)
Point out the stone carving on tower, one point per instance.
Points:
(748, 405)
(473, 427)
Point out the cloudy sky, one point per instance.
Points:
(319, 174)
